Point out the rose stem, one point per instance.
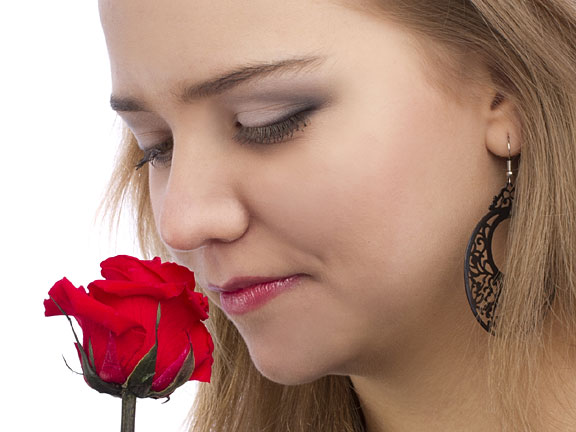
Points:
(128, 411)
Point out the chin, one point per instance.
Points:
(288, 368)
(286, 376)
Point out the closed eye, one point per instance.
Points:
(275, 132)
(160, 155)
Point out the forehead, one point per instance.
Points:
(219, 16)
(149, 36)
(157, 47)
(214, 30)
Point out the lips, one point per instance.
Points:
(237, 283)
(252, 297)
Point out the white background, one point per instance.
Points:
(58, 139)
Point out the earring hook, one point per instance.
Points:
(509, 162)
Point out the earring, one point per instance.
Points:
(481, 275)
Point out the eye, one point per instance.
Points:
(275, 132)
(158, 156)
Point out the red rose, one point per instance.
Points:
(118, 319)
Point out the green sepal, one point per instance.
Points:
(91, 353)
(140, 380)
(94, 381)
(182, 377)
(91, 378)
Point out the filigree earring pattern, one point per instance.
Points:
(482, 277)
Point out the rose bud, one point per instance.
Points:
(141, 326)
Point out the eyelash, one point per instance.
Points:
(161, 154)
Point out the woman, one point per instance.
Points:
(353, 150)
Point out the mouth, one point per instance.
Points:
(241, 300)
(240, 282)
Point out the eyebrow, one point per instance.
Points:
(188, 93)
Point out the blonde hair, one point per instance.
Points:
(530, 50)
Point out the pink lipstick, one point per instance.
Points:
(246, 299)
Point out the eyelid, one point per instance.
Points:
(148, 140)
(144, 121)
(275, 132)
(265, 117)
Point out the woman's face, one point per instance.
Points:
(371, 190)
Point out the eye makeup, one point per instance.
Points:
(265, 112)
(268, 94)
(277, 131)
(160, 155)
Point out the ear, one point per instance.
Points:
(502, 120)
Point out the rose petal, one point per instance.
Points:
(204, 360)
(179, 325)
(111, 370)
(75, 302)
(125, 267)
(172, 272)
(157, 290)
(165, 378)
(64, 292)
(141, 309)
(198, 304)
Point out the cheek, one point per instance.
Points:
(383, 205)
(394, 183)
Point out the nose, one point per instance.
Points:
(198, 203)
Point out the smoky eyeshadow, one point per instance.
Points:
(268, 104)
(269, 115)
(268, 92)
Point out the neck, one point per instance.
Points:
(433, 387)
(442, 385)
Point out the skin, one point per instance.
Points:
(374, 200)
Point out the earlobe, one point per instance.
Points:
(503, 121)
